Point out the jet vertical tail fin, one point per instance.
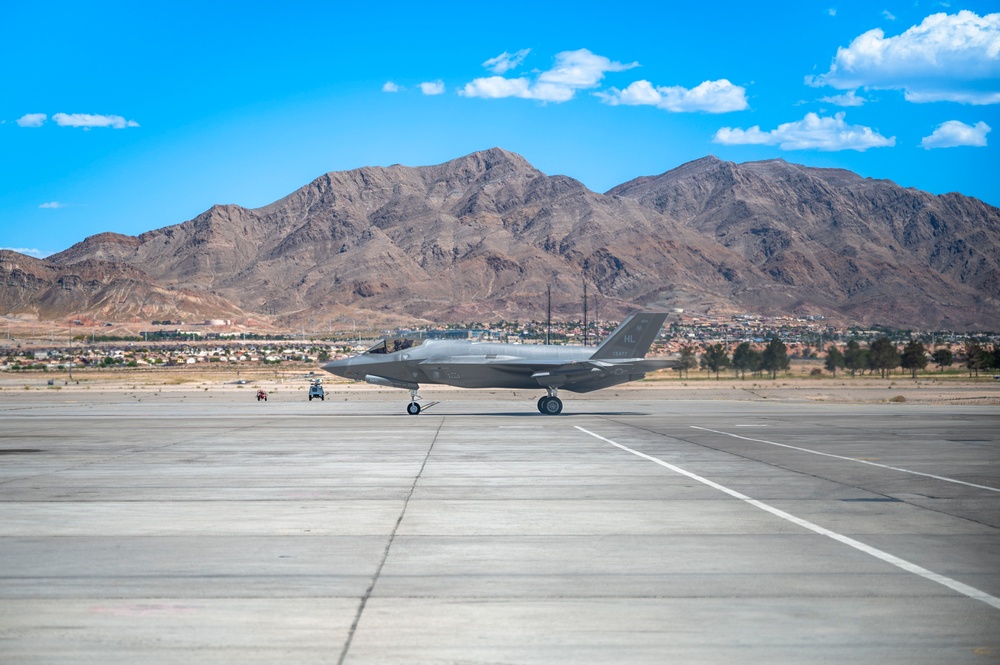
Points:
(632, 338)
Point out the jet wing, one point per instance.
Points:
(592, 370)
(508, 364)
(568, 374)
(574, 375)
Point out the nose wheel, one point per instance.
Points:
(413, 408)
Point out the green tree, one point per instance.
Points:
(775, 357)
(942, 357)
(715, 359)
(855, 358)
(834, 359)
(688, 360)
(914, 357)
(976, 357)
(743, 359)
(883, 356)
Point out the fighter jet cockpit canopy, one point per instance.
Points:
(394, 344)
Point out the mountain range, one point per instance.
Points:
(483, 236)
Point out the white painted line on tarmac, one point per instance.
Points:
(852, 459)
(909, 567)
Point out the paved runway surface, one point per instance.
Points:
(179, 529)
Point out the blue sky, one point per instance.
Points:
(130, 117)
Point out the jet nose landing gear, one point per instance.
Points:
(413, 408)
(549, 404)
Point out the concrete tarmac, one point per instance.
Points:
(198, 527)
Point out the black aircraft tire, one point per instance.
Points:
(413, 408)
(541, 403)
(553, 406)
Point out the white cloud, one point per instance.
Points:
(710, 96)
(573, 70)
(581, 69)
(505, 62)
(888, 15)
(948, 57)
(637, 93)
(832, 11)
(32, 120)
(954, 133)
(389, 86)
(496, 87)
(849, 99)
(29, 251)
(810, 133)
(949, 94)
(552, 92)
(432, 87)
(88, 121)
(52, 204)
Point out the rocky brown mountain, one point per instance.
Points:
(829, 239)
(481, 237)
(93, 288)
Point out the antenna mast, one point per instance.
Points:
(597, 319)
(548, 319)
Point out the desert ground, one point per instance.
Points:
(292, 384)
(168, 517)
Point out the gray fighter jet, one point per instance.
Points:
(406, 363)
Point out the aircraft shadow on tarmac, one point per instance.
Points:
(539, 415)
(499, 414)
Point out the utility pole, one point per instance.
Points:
(548, 320)
(586, 337)
(597, 320)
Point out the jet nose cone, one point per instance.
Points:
(338, 367)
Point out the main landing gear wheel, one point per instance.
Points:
(550, 406)
(413, 408)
